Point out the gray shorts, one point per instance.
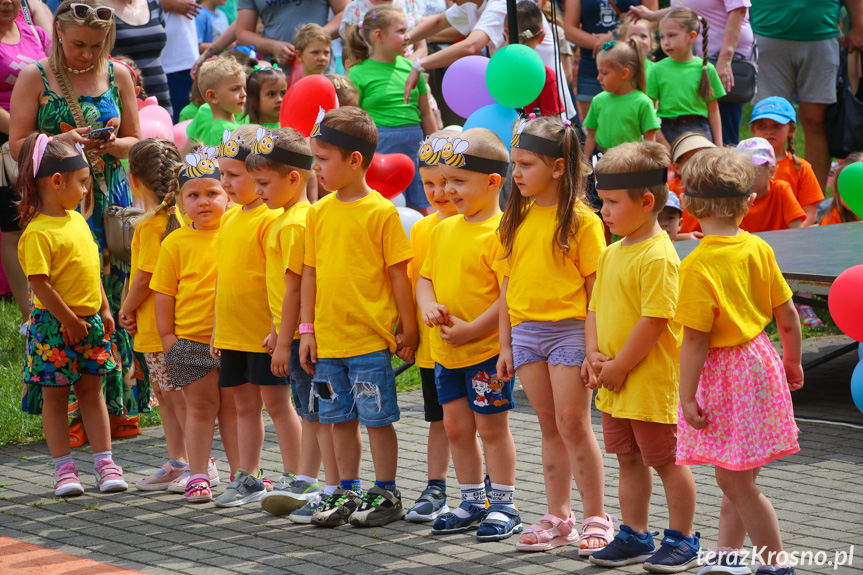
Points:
(188, 361)
(554, 342)
(805, 69)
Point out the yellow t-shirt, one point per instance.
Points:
(187, 269)
(285, 247)
(351, 245)
(420, 239)
(543, 284)
(634, 282)
(64, 250)
(463, 266)
(729, 287)
(242, 311)
(146, 244)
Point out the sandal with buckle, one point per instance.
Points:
(607, 533)
(562, 532)
(77, 435)
(498, 529)
(201, 486)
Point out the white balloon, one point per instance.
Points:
(399, 201)
(409, 217)
(454, 128)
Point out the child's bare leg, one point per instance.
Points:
(91, 402)
(384, 444)
(201, 411)
(172, 409)
(636, 485)
(324, 434)
(497, 440)
(732, 532)
(679, 488)
(228, 427)
(458, 420)
(250, 426)
(348, 447)
(289, 432)
(754, 508)
(437, 451)
(310, 451)
(55, 420)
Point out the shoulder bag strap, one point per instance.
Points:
(25, 8)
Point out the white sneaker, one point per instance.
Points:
(179, 484)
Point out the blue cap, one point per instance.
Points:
(774, 108)
(673, 202)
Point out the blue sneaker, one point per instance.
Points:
(430, 505)
(770, 570)
(624, 549)
(675, 554)
(451, 523)
(725, 561)
(498, 529)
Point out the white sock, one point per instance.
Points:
(501, 495)
(473, 494)
(102, 455)
(61, 461)
(307, 478)
(329, 489)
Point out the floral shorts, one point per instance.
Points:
(159, 371)
(51, 362)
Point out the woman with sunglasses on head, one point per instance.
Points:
(82, 37)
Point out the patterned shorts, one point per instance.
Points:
(159, 371)
(188, 361)
(51, 362)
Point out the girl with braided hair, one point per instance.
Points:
(154, 166)
(687, 89)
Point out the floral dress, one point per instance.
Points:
(55, 117)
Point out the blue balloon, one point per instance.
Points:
(496, 118)
(860, 351)
(857, 385)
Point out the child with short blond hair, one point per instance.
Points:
(222, 83)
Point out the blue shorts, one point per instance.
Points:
(405, 140)
(362, 386)
(301, 386)
(485, 393)
(588, 87)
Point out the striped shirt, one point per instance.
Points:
(144, 45)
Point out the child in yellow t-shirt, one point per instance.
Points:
(354, 291)
(730, 375)
(458, 293)
(552, 242)
(633, 359)
(70, 322)
(432, 501)
(154, 168)
(185, 284)
(280, 177)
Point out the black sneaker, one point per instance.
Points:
(339, 508)
(379, 507)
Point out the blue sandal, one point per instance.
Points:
(498, 529)
(452, 523)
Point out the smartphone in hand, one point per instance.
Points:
(101, 134)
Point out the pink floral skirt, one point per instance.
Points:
(744, 395)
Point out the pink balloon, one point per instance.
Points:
(156, 123)
(180, 136)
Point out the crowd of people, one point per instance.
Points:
(267, 273)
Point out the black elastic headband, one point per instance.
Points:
(477, 164)
(289, 158)
(343, 140)
(538, 145)
(69, 164)
(630, 180)
(720, 190)
(240, 155)
(185, 177)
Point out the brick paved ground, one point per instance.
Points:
(817, 494)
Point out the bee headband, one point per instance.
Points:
(535, 144)
(341, 139)
(430, 151)
(200, 164)
(265, 146)
(454, 154)
(70, 164)
(630, 180)
(231, 148)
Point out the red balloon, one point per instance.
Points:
(846, 305)
(390, 174)
(304, 99)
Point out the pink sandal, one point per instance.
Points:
(199, 484)
(608, 533)
(561, 533)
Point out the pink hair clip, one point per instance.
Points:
(42, 142)
(531, 116)
(567, 124)
(360, 25)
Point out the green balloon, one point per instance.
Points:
(850, 186)
(515, 76)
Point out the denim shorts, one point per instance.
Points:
(405, 140)
(362, 386)
(673, 128)
(554, 342)
(588, 87)
(301, 386)
(485, 393)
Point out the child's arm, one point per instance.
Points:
(308, 293)
(797, 223)
(592, 355)
(215, 352)
(590, 143)
(76, 327)
(105, 313)
(280, 365)
(788, 323)
(164, 306)
(650, 136)
(408, 339)
(139, 289)
(715, 121)
(643, 337)
(505, 371)
(426, 117)
(460, 332)
(693, 350)
(432, 312)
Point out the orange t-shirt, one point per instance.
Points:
(803, 182)
(690, 224)
(774, 211)
(833, 217)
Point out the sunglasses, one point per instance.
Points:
(85, 11)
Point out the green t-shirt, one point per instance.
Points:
(206, 130)
(675, 85)
(188, 113)
(381, 90)
(620, 119)
(797, 20)
(230, 10)
(648, 64)
(212, 136)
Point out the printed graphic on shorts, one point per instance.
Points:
(489, 390)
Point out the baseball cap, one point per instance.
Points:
(760, 150)
(687, 142)
(673, 202)
(774, 108)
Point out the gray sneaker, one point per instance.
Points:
(288, 495)
(379, 507)
(430, 505)
(243, 489)
(338, 509)
(304, 514)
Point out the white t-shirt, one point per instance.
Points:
(181, 49)
(490, 17)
